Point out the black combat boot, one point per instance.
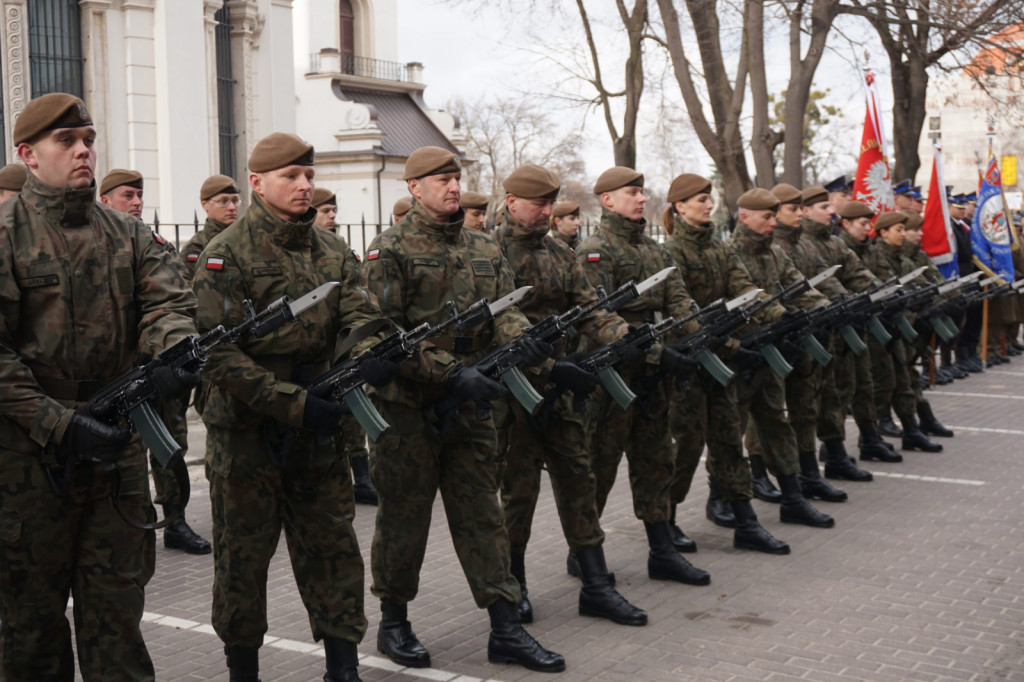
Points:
(717, 511)
(597, 596)
(664, 562)
(914, 438)
(395, 638)
(519, 573)
(872, 446)
(362, 486)
(510, 643)
(750, 535)
(243, 664)
(572, 567)
(762, 486)
(679, 540)
(178, 534)
(887, 427)
(840, 465)
(813, 486)
(795, 507)
(929, 424)
(342, 660)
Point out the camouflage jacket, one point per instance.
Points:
(572, 242)
(769, 265)
(263, 258)
(885, 261)
(619, 252)
(918, 257)
(194, 247)
(415, 267)
(86, 292)
(557, 278)
(854, 276)
(806, 258)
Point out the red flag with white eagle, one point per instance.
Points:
(873, 184)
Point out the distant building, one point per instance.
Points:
(960, 110)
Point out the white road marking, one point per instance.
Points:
(981, 429)
(930, 479)
(981, 395)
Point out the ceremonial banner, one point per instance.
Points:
(873, 184)
(990, 232)
(937, 232)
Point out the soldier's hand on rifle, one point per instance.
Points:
(173, 383)
(88, 438)
(675, 363)
(535, 351)
(471, 385)
(377, 372)
(568, 375)
(322, 415)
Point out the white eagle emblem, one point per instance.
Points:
(878, 187)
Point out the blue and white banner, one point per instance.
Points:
(990, 231)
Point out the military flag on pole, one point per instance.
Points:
(937, 232)
(873, 183)
(990, 230)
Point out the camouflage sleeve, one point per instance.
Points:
(678, 302)
(739, 282)
(511, 322)
(165, 302)
(854, 275)
(189, 257)
(812, 298)
(356, 304)
(21, 398)
(220, 293)
(602, 327)
(597, 263)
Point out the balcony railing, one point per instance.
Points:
(352, 65)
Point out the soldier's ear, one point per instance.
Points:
(27, 154)
(256, 183)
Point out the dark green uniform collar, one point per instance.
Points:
(620, 225)
(288, 234)
(572, 242)
(66, 206)
(788, 232)
(753, 241)
(421, 220)
(815, 229)
(698, 234)
(212, 228)
(857, 247)
(511, 229)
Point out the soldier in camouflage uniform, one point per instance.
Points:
(85, 294)
(762, 399)
(619, 252)
(557, 441)
(270, 451)
(122, 190)
(565, 223)
(352, 442)
(220, 198)
(708, 412)
(803, 385)
(890, 366)
(474, 205)
(415, 268)
(848, 371)
(917, 257)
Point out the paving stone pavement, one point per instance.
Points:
(921, 579)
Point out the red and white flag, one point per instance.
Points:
(873, 184)
(937, 232)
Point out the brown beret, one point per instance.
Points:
(533, 182)
(321, 196)
(686, 186)
(12, 177)
(854, 210)
(787, 194)
(118, 177)
(564, 208)
(217, 184)
(888, 219)
(813, 195)
(758, 199)
(430, 161)
(616, 177)
(56, 110)
(402, 206)
(473, 200)
(914, 221)
(278, 150)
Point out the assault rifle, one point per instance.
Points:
(344, 381)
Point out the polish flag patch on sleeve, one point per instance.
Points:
(373, 254)
(214, 263)
(356, 256)
(192, 257)
(594, 257)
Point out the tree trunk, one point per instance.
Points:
(909, 85)
(762, 139)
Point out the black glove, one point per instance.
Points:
(824, 336)
(377, 372)
(534, 351)
(173, 383)
(568, 375)
(90, 439)
(322, 415)
(470, 384)
(675, 363)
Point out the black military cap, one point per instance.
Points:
(903, 187)
(840, 184)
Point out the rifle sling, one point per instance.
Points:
(361, 333)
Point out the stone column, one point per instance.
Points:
(17, 88)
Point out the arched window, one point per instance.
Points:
(348, 28)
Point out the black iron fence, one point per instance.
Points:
(358, 235)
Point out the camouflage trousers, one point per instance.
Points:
(560, 446)
(803, 398)
(252, 499)
(846, 383)
(352, 442)
(79, 546)
(697, 417)
(409, 465)
(890, 373)
(762, 403)
(166, 484)
(641, 433)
